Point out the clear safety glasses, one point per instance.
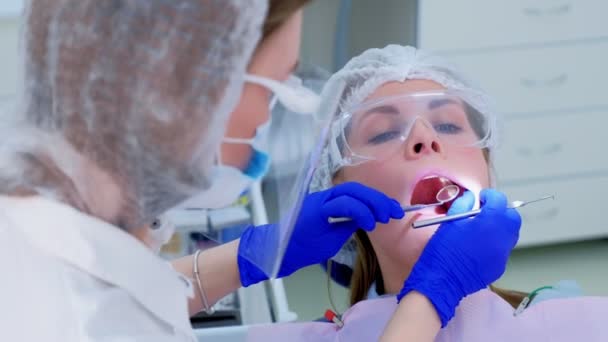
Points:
(377, 129)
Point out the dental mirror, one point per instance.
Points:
(445, 195)
(448, 193)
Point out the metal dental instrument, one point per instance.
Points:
(446, 194)
(438, 220)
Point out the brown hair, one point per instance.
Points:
(278, 12)
(367, 270)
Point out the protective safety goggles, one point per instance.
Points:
(377, 129)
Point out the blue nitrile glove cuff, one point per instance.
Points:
(257, 238)
(445, 295)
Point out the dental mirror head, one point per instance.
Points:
(447, 193)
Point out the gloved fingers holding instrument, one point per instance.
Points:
(314, 239)
(465, 256)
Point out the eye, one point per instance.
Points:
(447, 128)
(384, 137)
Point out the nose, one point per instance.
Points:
(422, 141)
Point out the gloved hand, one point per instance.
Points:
(467, 255)
(314, 240)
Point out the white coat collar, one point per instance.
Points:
(105, 252)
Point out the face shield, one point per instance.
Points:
(292, 195)
(288, 138)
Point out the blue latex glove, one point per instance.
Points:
(314, 240)
(465, 256)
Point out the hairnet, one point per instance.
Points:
(361, 76)
(136, 90)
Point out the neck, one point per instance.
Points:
(394, 273)
(54, 168)
(101, 193)
(395, 269)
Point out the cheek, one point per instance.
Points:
(398, 242)
(251, 112)
(386, 177)
(472, 163)
(237, 155)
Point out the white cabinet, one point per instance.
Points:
(541, 79)
(544, 61)
(577, 211)
(569, 144)
(480, 24)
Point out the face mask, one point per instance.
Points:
(228, 182)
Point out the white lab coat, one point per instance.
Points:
(67, 276)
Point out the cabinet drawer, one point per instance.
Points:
(552, 145)
(577, 213)
(541, 79)
(469, 24)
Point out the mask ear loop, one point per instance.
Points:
(228, 140)
(273, 102)
(297, 99)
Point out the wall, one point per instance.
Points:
(9, 28)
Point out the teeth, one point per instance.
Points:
(441, 178)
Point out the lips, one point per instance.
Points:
(425, 192)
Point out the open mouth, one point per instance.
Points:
(425, 192)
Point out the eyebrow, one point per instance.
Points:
(434, 104)
(386, 109)
(392, 110)
(389, 109)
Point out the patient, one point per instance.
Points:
(407, 127)
(407, 124)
